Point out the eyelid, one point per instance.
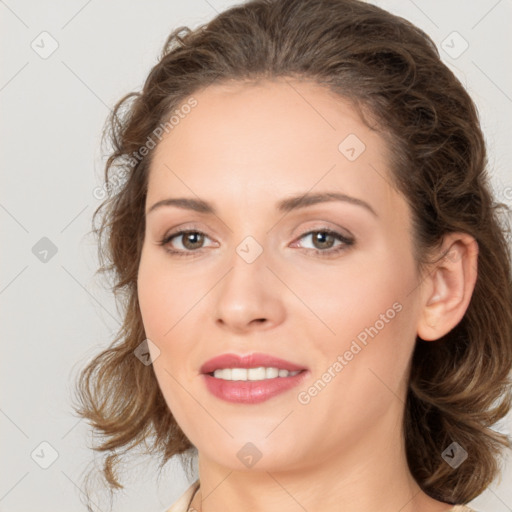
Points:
(326, 226)
(184, 227)
(180, 228)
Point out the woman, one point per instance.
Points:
(311, 259)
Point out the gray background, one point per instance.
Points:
(55, 315)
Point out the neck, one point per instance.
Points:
(369, 475)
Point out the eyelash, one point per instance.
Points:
(346, 242)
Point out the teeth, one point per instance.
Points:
(260, 373)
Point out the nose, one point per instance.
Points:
(249, 297)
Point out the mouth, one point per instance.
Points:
(254, 361)
(252, 391)
(250, 379)
(252, 374)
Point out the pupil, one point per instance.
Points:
(320, 235)
(190, 236)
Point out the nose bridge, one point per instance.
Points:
(248, 267)
(249, 250)
(247, 293)
(250, 237)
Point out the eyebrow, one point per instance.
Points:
(286, 205)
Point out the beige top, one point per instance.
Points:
(190, 502)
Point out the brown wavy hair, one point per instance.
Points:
(391, 71)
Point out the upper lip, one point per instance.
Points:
(248, 361)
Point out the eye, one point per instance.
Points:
(323, 241)
(192, 242)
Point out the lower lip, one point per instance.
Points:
(251, 391)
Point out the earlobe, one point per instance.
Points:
(448, 287)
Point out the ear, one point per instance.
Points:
(448, 287)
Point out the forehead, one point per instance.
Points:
(253, 142)
(269, 116)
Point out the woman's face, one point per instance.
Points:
(260, 275)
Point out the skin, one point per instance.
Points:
(243, 148)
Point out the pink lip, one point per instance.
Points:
(250, 392)
(248, 361)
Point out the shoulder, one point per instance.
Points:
(181, 505)
(183, 502)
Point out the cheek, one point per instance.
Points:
(368, 318)
(353, 297)
(150, 300)
(163, 295)
(164, 301)
(168, 365)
